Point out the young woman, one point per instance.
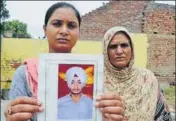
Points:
(62, 28)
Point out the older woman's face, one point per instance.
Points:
(119, 51)
(76, 86)
(62, 30)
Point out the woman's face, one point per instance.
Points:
(62, 30)
(119, 51)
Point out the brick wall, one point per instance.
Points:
(159, 24)
(159, 19)
(128, 14)
(161, 56)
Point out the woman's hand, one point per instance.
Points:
(111, 106)
(22, 108)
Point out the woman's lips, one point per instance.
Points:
(62, 41)
(119, 58)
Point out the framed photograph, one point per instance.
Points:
(68, 86)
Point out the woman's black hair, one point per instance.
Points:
(61, 5)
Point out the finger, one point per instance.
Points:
(106, 119)
(26, 108)
(105, 103)
(113, 110)
(21, 116)
(111, 96)
(25, 100)
(114, 117)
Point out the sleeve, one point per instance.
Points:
(162, 112)
(19, 85)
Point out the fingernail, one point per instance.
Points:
(123, 99)
(99, 98)
(97, 104)
(107, 115)
(41, 108)
(38, 102)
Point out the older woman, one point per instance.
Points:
(138, 86)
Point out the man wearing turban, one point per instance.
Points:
(75, 105)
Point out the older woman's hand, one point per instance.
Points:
(111, 106)
(22, 109)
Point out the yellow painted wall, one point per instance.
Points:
(17, 50)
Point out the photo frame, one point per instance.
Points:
(65, 76)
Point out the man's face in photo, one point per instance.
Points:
(76, 87)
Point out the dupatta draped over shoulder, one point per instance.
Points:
(138, 87)
(31, 71)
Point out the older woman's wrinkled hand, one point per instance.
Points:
(111, 106)
(22, 108)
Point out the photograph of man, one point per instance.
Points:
(75, 105)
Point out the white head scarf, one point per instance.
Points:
(118, 74)
(79, 72)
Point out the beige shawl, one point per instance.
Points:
(138, 87)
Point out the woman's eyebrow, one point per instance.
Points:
(119, 42)
(56, 20)
(73, 22)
